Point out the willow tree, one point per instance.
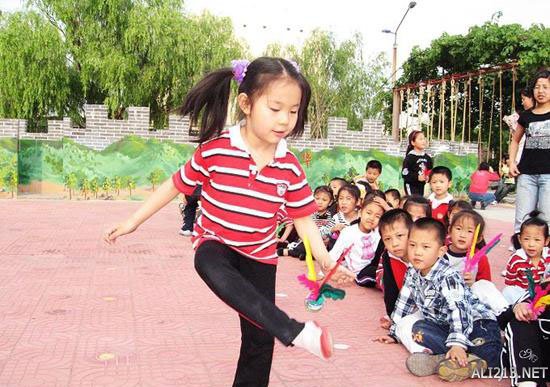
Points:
(343, 83)
(145, 53)
(34, 79)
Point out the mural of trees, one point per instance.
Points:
(155, 177)
(71, 183)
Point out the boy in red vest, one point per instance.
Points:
(440, 181)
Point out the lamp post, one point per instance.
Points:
(396, 99)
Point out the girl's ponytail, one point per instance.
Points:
(208, 101)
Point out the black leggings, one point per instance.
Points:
(527, 350)
(416, 188)
(248, 287)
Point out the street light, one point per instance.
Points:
(412, 4)
(396, 102)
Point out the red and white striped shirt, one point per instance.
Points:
(516, 270)
(240, 203)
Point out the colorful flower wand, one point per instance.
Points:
(318, 292)
(540, 301)
(539, 297)
(474, 258)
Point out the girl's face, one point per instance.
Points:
(416, 211)
(453, 212)
(541, 91)
(462, 235)
(532, 241)
(392, 201)
(323, 200)
(419, 142)
(335, 187)
(395, 237)
(271, 116)
(527, 102)
(347, 203)
(370, 216)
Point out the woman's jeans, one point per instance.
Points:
(532, 193)
(485, 199)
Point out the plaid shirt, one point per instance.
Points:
(443, 298)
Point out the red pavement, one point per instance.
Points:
(75, 312)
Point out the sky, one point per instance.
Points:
(291, 21)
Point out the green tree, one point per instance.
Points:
(155, 177)
(11, 178)
(485, 45)
(34, 79)
(106, 185)
(117, 184)
(130, 183)
(343, 83)
(71, 182)
(145, 53)
(94, 186)
(85, 187)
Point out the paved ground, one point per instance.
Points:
(74, 312)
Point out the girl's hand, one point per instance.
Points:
(457, 354)
(514, 171)
(113, 233)
(342, 275)
(421, 177)
(523, 312)
(386, 339)
(469, 279)
(382, 203)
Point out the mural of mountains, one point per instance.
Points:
(135, 157)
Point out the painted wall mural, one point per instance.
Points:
(123, 160)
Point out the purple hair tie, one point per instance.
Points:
(239, 69)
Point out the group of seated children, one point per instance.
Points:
(415, 250)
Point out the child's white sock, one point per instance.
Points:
(315, 339)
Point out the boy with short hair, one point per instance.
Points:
(394, 229)
(460, 332)
(440, 181)
(373, 170)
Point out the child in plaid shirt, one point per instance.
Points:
(459, 331)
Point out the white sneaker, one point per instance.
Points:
(511, 248)
(494, 202)
(186, 232)
(315, 340)
(503, 273)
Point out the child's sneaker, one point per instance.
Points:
(186, 232)
(451, 371)
(423, 364)
(315, 340)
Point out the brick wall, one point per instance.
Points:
(100, 132)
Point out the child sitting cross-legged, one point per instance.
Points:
(459, 331)
(461, 236)
(533, 257)
(394, 229)
(323, 221)
(364, 239)
(348, 199)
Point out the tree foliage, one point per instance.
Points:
(483, 46)
(342, 82)
(117, 52)
(34, 78)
